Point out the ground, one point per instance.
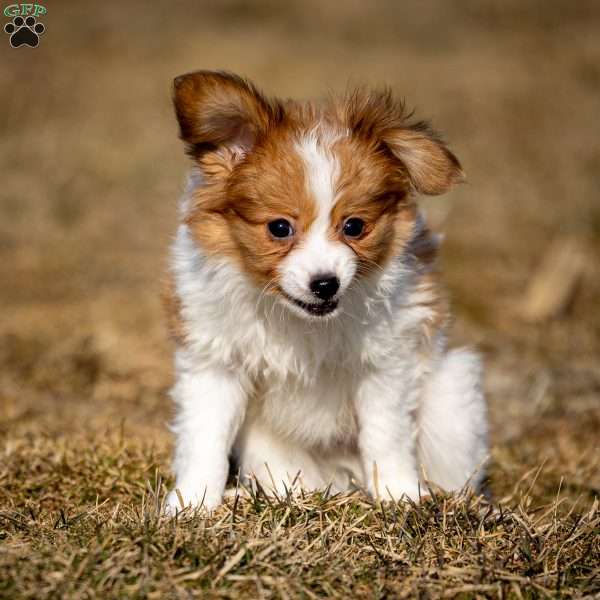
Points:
(91, 169)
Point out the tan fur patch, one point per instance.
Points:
(215, 108)
(377, 115)
(373, 188)
(230, 217)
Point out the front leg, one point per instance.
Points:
(387, 435)
(211, 403)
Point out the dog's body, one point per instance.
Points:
(309, 325)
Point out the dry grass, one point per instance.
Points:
(90, 169)
(66, 540)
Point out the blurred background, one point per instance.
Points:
(91, 170)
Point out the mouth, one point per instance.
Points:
(319, 309)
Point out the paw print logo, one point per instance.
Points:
(24, 32)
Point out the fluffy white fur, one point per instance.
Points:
(342, 400)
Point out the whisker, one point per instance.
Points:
(262, 295)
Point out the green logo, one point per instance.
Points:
(24, 10)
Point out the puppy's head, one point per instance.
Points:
(306, 199)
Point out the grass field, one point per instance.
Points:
(91, 169)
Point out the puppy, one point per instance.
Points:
(309, 323)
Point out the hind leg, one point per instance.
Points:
(452, 423)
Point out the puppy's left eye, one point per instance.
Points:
(353, 227)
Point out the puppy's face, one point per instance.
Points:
(307, 200)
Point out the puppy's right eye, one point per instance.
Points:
(281, 228)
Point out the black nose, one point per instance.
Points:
(325, 287)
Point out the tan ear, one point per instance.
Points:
(431, 167)
(216, 109)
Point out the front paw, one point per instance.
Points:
(201, 497)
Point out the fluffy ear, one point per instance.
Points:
(430, 165)
(221, 109)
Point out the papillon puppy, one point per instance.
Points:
(309, 324)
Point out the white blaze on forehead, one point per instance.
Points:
(318, 254)
(322, 169)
